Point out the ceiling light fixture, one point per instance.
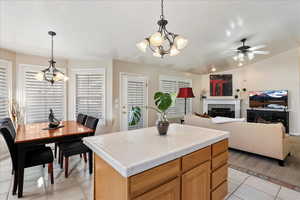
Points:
(51, 74)
(247, 52)
(163, 42)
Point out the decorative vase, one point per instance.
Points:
(162, 125)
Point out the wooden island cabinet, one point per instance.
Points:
(189, 163)
(200, 175)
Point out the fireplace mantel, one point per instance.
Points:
(222, 101)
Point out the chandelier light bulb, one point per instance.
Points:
(60, 76)
(250, 55)
(180, 42)
(235, 58)
(56, 78)
(213, 69)
(174, 51)
(65, 78)
(156, 39)
(241, 56)
(240, 64)
(39, 76)
(157, 53)
(142, 46)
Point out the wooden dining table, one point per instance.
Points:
(30, 135)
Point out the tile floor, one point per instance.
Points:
(78, 186)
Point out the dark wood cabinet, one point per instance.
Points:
(268, 116)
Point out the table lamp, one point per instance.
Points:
(185, 93)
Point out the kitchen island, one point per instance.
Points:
(190, 163)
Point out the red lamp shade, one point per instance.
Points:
(185, 93)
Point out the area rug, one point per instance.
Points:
(266, 168)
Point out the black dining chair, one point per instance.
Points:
(74, 148)
(36, 155)
(81, 118)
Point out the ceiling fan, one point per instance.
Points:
(247, 51)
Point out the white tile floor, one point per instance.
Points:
(246, 187)
(78, 186)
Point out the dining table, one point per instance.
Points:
(30, 135)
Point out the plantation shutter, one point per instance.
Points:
(41, 96)
(136, 97)
(169, 86)
(90, 94)
(172, 86)
(4, 104)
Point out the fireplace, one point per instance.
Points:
(221, 110)
(222, 107)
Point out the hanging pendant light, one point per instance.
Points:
(163, 42)
(51, 74)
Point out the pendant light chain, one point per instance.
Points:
(51, 47)
(162, 10)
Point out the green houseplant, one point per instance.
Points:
(162, 101)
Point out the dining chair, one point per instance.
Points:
(36, 155)
(74, 148)
(81, 118)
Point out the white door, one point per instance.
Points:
(133, 92)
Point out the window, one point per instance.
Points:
(40, 96)
(172, 85)
(89, 88)
(5, 88)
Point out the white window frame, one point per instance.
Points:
(177, 79)
(21, 82)
(72, 88)
(8, 65)
(121, 87)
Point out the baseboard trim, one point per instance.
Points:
(295, 134)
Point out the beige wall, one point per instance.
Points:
(153, 73)
(278, 72)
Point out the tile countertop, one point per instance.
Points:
(132, 152)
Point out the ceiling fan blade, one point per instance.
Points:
(261, 52)
(257, 47)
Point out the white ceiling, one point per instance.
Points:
(90, 29)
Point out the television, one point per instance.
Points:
(269, 99)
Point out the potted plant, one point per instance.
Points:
(163, 101)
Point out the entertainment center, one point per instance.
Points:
(269, 106)
(269, 116)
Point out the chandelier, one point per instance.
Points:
(51, 74)
(163, 42)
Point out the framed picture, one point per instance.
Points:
(220, 84)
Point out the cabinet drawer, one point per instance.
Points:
(192, 160)
(152, 178)
(220, 192)
(219, 160)
(168, 191)
(219, 176)
(219, 147)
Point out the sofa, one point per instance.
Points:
(268, 140)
